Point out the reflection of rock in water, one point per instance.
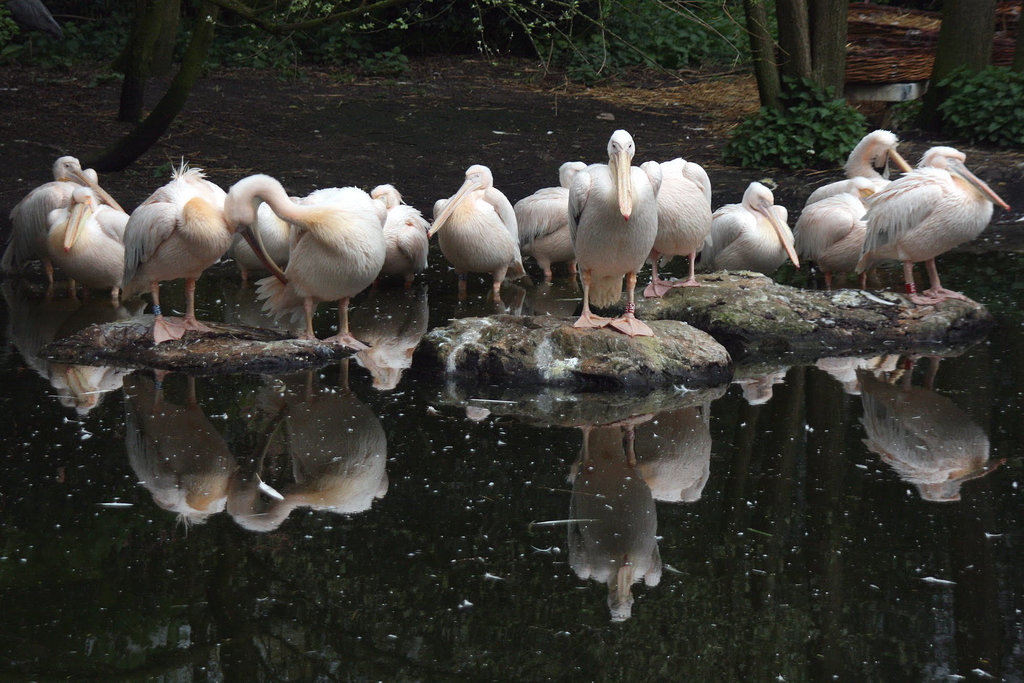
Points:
(924, 436)
(175, 452)
(393, 331)
(33, 323)
(674, 453)
(338, 452)
(612, 538)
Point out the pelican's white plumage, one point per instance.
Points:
(481, 233)
(275, 234)
(178, 232)
(924, 213)
(752, 235)
(872, 152)
(337, 247)
(30, 224)
(684, 219)
(831, 231)
(86, 241)
(613, 221)
(543, 219)
(405, 234)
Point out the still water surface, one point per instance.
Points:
(801, 523)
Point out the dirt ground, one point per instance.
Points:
(419, 132)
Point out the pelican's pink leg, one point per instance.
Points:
(572, 267)
(309, 306)
(691, 281)
(828, 280)
(628, 323)
(343, 337)
(937, 291)
(588, 319)
(499, 277)
(163, 329)
(658, 287)
(462, 285)
(190, 321)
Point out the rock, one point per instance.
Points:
(756, 318)
(544, 350)
(227, 349)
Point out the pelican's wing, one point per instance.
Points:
(696, 174)
(578, 194)
(112, 222)
(727, 224)
(30, 222)
(503, 207)
(824, 223)
(654, 175)
(903, 205)
(411, 242)
(149, 226)
(542, 213)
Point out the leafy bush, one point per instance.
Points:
(813, 129)
(987, 106)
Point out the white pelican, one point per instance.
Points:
(752, 235)
(30, 217)
(613, 220)
(393, 331)
(179, 231)
(337, 248)
(674, 453)
(928, 440)
(684, 219)
(87, 242)
(543, 219)
(275, 234)
(831, 231)
(925, 213)
(872, 152)
(482, 235)
(405, 234)
(613, 532)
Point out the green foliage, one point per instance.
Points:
(987, 106)
(8, 29)
(84, 40)
(813, 129)
(627, 33)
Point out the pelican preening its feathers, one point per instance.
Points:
(875, 150)
(544, 222)
(924, 213)
(405, 234)
(752, 235)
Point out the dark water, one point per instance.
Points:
(798, 524)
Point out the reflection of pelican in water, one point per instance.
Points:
(33, 324)
(393, 333)
(675, 453)
(844, 369)
(338, 452)
(924, 436)
(175, 452)
(758, 388)
(613, 527)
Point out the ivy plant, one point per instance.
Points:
(986, 106)
(812, 129)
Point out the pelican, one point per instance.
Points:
(337, 248)
(394, 331)
(87, 242)
(613, 221)
(30, 225)
(873, 151)
(179, 231)
(925, 213)
(831, 231)
(674, 453)
(274, 233)
(684, 219)
(752, 235)
(482, 234)
(922, 435)
(405, 234)
(544, 222)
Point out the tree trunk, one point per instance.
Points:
(1018, 50)
(148, 50)
(135, 144)
(762, 50)
(828, 24)
(794, 39)
(965, 39)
